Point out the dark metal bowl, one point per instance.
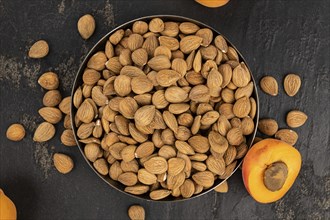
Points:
(100, 46)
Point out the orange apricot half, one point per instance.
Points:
(7, 207)
(212, 3)
(269, 169)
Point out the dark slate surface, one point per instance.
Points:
(275, 36)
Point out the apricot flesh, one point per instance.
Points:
(212, 3)
(264, 183)
(7, 207)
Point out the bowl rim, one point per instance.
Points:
(102, 41)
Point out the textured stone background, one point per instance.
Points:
(275, 36)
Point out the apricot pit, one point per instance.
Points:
(275, 176)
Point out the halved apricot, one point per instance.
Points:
(212, 3)
(7, 207)
(269, 169)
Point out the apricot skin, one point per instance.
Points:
(212, 3)
(258, 158)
